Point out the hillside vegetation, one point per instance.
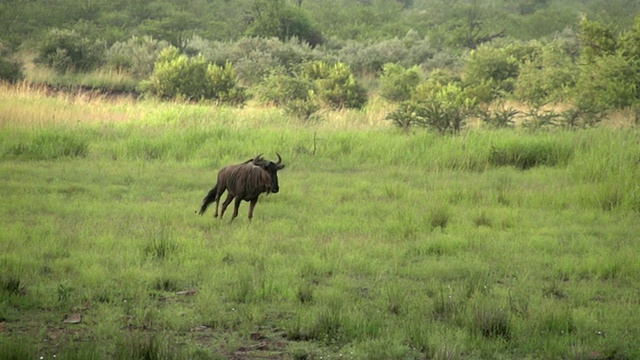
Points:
(310, 56)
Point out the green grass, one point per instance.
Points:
(380, 245)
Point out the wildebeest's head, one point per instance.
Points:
(271, 168)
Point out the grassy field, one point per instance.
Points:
(380, 244)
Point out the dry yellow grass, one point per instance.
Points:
(28, 105)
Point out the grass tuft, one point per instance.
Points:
(482, 219)
(12, 285)
(528, 153)
(439, 217)
(46, 145)
(490, 318)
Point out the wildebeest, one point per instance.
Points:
(245, 181)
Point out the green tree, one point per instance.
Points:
(472, 23)
(546, 77)
(610, 74)
(174, 26)
(492, 69)
(597, 39)
(608, 82)
(274, 18)
(629, 43)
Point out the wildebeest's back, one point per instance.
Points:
(248, 181)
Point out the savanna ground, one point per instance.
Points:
(380, 245)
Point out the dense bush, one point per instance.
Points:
(254, 57)
(10, 70)
(370, 57)
(177, 76)
(363, 57)
(136, 55)
(66, 50)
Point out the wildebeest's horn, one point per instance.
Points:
(279, 159)
(257, 159)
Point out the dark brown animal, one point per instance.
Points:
(245, 181)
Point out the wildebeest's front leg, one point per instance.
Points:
(236, 206)
(251, 206)
(226, 203)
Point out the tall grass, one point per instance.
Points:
(380, 244)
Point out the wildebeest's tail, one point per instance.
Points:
(211, 197)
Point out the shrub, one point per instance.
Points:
(66, 50)
(500, 117)
(539, 117)
(281, 88)
(136, 55)
(177, 76)
(336, 85)
(444, 109)
(405, 116)
(303, 109)
(223, 86)
(397, 83)
(296, 94)
(578, 117)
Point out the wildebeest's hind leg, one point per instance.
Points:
(226, 203)
(219, 192)
(236, 206)
(252, 204)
